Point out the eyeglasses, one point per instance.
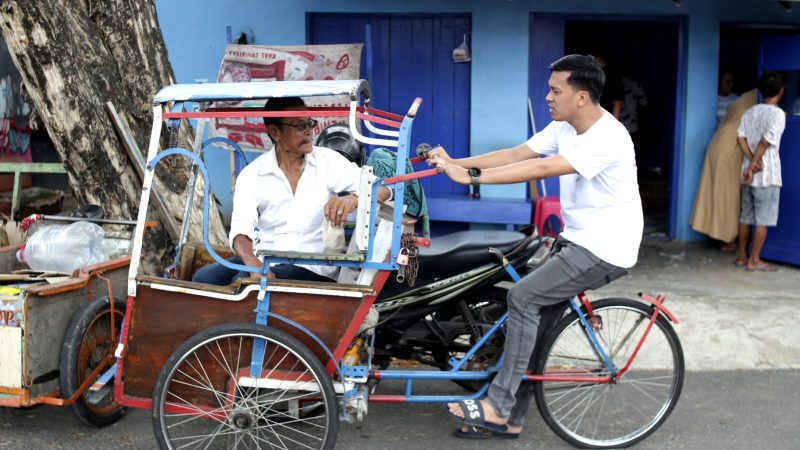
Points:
(302, 126)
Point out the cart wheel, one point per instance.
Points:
(205, 396)
(86, 344)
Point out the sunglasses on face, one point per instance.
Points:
(302, 126)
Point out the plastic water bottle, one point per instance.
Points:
(64, 248)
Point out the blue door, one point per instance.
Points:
(411, 56)
(783, 241)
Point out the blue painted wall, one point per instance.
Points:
(194, 31)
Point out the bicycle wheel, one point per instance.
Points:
(603, 415)
(205, 396)
(86, 345)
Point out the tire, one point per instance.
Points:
(485, 312)
(602, 415)
(198, 402)
(86, 342)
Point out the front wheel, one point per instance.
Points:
(619, 414)
(207, 397)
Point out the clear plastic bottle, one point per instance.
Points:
(64, 248)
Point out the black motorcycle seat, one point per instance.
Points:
(464, 250)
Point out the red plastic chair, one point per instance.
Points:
(545, 212)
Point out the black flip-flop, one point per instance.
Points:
(474, 432)
(474, 416)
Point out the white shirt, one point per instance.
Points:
(723, 103)
(767, 121)
(264, 207)
(600, 204)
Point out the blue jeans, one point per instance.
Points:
(220, 275)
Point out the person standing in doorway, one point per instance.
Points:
(759, 138)
(725, 95)
(613, 97)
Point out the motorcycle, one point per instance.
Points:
(459, 291)
(458, 295)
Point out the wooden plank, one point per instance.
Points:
(47, 318)
(10, 357)
(138, 162)
(161, 321)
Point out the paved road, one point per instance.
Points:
(718, 410)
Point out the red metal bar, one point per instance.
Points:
(411, 176)
(251, 113)
(134, 402)
(576, 379)
(119, 394)
(658, 302)
(387, 122)
(225, 113)
(639, 345)
(387, 398)
(414, 107)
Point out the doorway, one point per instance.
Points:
(646, 51)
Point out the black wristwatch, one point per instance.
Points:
(475, 173)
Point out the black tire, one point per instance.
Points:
(207, 377)
(618, 414)
(486, 309)
(86, 342)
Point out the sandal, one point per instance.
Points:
(762, 267)
(474, 416)
(474, 432)
(738, 263)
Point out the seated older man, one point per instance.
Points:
(281, 197)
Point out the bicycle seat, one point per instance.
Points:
(463, 250)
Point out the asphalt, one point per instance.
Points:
(742, 390)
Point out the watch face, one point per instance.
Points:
(474, 172)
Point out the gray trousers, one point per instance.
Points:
(570, 270)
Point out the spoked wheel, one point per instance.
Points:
(603, 415)
(206, 396)
(86, 345)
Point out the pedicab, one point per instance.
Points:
(270, 363)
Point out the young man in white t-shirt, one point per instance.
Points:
(593, 155)
(759, 138)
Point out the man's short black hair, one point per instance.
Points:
(770, 84)
(281, 104)
(585, 74)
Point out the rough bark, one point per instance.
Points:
(75, 55)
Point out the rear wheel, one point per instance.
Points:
(603, 415)
(205, 396)
(86, 345)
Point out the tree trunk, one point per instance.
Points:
(76, 55)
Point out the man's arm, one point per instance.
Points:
(495, 158)
(338, 208)
(755, 159)
(531, 169)
(243, 247)
(745, 148)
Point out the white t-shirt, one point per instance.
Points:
(767, 121)
(265, 208)
(600, 204)
(723, 103)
